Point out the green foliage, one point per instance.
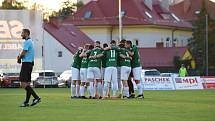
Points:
(79, 4)
(13, 4)
(178, 61)
(66, 10)
(197, 44)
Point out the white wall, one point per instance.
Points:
(52, 61)
(101, 34)
(147, 36)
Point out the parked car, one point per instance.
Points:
(9, 80)
(65, 79)
(44, 78)
(150, 72)
(169, 74)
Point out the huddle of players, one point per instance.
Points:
(101, 70)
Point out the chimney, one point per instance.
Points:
(187, 4)
(148, 3)
(165, 4)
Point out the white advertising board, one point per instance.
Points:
(158, 83)
(184, 83)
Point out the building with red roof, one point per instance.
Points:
(145, 21)
(61, 42)
(150, 22)
(188, 9)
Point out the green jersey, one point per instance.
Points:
(136, 57)
(77, 60)
(118, 50)
(111, 57)
(125, 62)
(95, 62)
(84, 62)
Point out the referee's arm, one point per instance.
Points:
(22, 54)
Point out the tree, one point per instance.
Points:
(197, 44)
(12, 4)
(79, 4)
(66, 10)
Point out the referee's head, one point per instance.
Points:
(25, 33)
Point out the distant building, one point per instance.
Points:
(146, 21)
(60, 43)
(188, 9)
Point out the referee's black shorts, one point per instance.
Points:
(25, 73)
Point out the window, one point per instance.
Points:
(87, 14)
(123, 13)
(60, 54)
(148, 14)
(175, 17)
(167, 42)
(197, 12)
(174, 44)
(135, 42)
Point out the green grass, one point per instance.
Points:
(56, 105)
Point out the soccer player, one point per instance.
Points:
(27, 59)
(125, 63)
(105, 45)
(136, 67)
(83, 71)
(110, 76)
(75, 84)
(94, 68)
(120, 86)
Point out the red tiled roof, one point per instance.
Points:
(105, 12)
(160, 57)
(186, 9)
(68, 35)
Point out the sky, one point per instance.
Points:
(51, 4)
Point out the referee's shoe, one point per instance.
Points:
(36, 101)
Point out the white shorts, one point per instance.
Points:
(137, 73)
(83, 74)
(125, 72)
(110, 74)
(75, 74)
(93, 73)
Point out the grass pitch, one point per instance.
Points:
(56, 105)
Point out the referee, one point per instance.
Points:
(27, 59)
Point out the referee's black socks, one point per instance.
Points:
(28, 95)
(31, 92)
